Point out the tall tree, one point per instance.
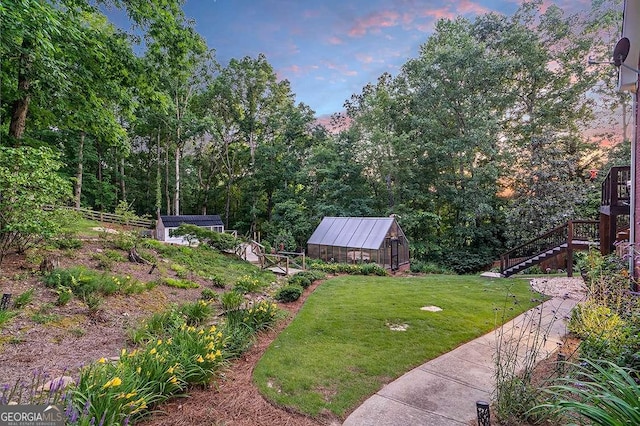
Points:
(549, 81)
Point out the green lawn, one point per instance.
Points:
(340, 349)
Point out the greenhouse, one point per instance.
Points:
(360, 240)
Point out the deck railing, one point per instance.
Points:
(615, 187)
(571, 233)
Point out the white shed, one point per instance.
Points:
(167, 223)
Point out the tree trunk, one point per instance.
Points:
(99, 176)
(123, 186)
(77, 190)
(21, 105)
(227, 207)
(158, 179)
(176, 195)
(166, 183)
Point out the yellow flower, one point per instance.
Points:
(123, 352)
(219, 334)
(152, 351)
(212, 329)
(210, 346)
(138, 370)
(116, 381)
(218, 353)
(200, 359)
(201, 332)
(159, 342)
(210, 356)
(102, 360)
(173, 380)
(169, 340)
(170, 370)
(130, 395)
(191, 329)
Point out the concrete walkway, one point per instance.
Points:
(444, 391)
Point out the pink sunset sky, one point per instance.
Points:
(331, 49)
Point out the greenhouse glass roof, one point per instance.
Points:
(357, 232)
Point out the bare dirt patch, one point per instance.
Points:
(58, 340)
(74, 338)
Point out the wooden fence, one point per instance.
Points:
(110, 217)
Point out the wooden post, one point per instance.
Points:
(570, 249)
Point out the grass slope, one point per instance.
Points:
(340, 348)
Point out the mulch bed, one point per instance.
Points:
(233, 399)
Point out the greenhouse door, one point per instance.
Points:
(394, 254)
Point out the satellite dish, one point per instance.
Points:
(621, 51)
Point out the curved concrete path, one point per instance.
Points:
(444, 391)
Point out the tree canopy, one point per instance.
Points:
(478, 143)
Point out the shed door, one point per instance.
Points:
(394, 254)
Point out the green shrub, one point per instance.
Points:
(289, 293)
(261, 315)
(103, 261)
(195, 313)
(83, 281)
(177, 283)
(148, 256)
(6, 315)
(248, 284)
(217, 240)
(116, 256)
(180, 270)
(592, 320)
(467, 262)
(422, 267)
(231, 300)
(372, 269)
(300, 280)
(209, 295)
(23, 299)
(161, 324)
(44, 315)
(352, 269)
(93, 301)
(67, 243)
(217, 281)
(64, 295)
(238, 337)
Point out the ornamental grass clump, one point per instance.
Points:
(601, 393)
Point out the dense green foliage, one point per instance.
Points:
(477, 144)
(289, 293)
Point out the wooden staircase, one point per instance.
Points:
(579, 234)
(573, 235)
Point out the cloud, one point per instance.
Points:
(364, 58)
(442, 13)
(373, 22)
(311, 13)
(335, 40)
(298, 70)
(342, 69)
(469, 7)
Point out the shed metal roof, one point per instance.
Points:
(356, 232)
(198, 220)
